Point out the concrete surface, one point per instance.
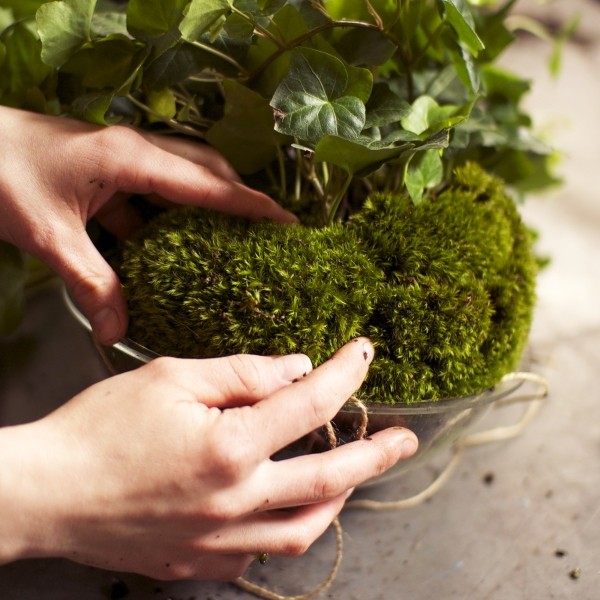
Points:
(517, 518)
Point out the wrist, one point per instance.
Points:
(27, 526)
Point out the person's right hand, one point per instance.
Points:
(166, 470)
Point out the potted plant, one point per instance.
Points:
(387, 126)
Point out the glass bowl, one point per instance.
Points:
(437, 424)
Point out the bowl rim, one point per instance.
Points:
(502, 389)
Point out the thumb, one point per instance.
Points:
(94, 286)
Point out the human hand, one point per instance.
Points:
(165, 470)
(55, 174)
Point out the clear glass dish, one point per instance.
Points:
(437, 424)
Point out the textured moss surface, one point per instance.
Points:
(445, 289)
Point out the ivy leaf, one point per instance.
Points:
(320, 96)
(156, 22)
(287, 24)
(385, 107)
(426, 116)
(245, 134)
(466, 69)
(92, 107)
(23, 8)
(354, 157)
(423, 173)
(64, 26)
(459, 17)
(22, 68)
(106, 63)
(106, 24)
(13, 275)
(365, 47)
(201, 16)
(162, 102)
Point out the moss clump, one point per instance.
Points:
(445, 289)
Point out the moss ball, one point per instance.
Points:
(201, 284)
(445, 289)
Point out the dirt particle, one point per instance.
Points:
(488, 478)
(575, 573)
(118, 590)
(560, 553)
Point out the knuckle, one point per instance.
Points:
(328, 484)
(298, 544)
(231, 458)
(249, 374)
(219, 510)
(163, 367)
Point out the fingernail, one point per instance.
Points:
(409, 447)
(368, 351)
(293, 366)
(106, 325)
(289, 218)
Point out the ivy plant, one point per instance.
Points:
(319, 103)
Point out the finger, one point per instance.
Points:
(296, 410)
(94, 285)
(277, 532)
(318, 477)
(202, 567)
(156, 171)
(118, 217)
(234, 380)
(196, 152)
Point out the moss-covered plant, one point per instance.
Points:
(445, 288)
(386, 125)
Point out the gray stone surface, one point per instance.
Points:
(516, 517)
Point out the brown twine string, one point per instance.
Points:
(534, 399)
(267, 594)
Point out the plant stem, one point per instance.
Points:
(172, 123)
(259, 28)
(338, 199)
(282, 175)
(222, 55)
(306, 36)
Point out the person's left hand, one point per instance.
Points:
(56, 173)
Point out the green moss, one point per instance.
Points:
(445, 289)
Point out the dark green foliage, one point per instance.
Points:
(445, 289)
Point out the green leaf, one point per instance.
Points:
(355, 158)
(424, 173)
(426, 116)
(245, 134)
(156, 22)
(23, 8)
(321, 96)
(7, 18)
(105, 24)
(63, 27)
(286, 25)
(175, 65)
(466, 69)
(201, 16)
(93, 107)
(459, 16)
(385, 107)
(365, 47)
(22, 67)
(161, 102)
(105, 63)
(13, 275)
